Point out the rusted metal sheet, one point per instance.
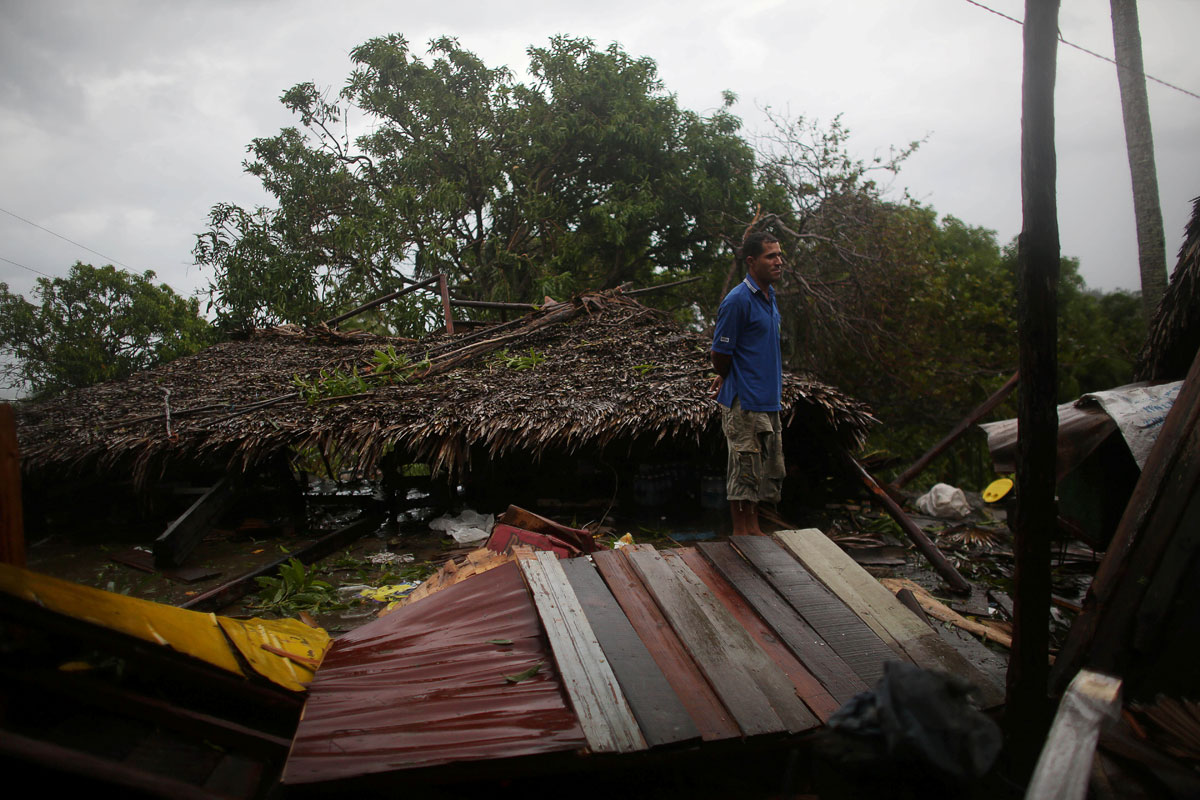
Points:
(427, 685)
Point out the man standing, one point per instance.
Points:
(749, 384)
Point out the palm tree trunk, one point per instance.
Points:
(1135, 110)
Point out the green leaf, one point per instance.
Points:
(525, 674)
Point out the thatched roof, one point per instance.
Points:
(1174, 335)
(613, 370)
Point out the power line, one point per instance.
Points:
(22, 266)
(110, 259)
(1091, 52)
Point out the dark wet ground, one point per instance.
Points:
(404, 549)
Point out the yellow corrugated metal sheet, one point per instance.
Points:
(200, 635)
(262, 643)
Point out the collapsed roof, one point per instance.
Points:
(1174, 335)
(599, 369)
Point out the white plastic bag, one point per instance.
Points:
(468, 527)
(945, 502)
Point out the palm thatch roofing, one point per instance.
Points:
(1174, 335)
(612, 370)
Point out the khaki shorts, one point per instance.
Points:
(755, 468)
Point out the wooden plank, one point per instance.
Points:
(91, 693)
(942, 612)
(808, 688)
(96, 770)
(834, 674)
(690, 685)
(738, 691)
(180, 538)
(878, 607)
(220, 596)
(1065, 764)
(769, 678)
(716, 657)
(604, 715)
(845, 633)
(659, 712)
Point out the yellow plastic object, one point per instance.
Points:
(997, 489)
(191, 632)
(262, 643)
(389, 593)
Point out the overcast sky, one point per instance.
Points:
(123, 121)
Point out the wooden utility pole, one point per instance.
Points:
(1027, 715)
(1139, 143)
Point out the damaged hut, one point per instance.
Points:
(600, 376)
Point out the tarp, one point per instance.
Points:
(1136, 410)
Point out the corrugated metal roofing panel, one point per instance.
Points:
(426, 685)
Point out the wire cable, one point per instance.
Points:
(22, 266)
(110, 259)
(1092, 53)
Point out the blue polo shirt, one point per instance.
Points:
(748, 330)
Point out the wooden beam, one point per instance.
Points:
(917, 536)
(378, 301)
(1034, 524)
(979, 413)
(92, 693)
(12, 525)
(180, 538)
(1092, 700)
(57, 758)
(444, 290)
(220, 596)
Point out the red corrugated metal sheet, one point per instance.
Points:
(424, 686)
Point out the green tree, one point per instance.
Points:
(97, 324)
(589, 175)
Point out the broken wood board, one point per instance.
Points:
(180, 538)
(879, 608)
(144, 560)
(807, 687)
(838, 680)
(847, 635)
(595, 693)
(702, 704)
(1063, 769)
(660, 714)
(940, 611)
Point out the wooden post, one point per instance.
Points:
(387, 298)
(445, 290)
(12, 526)
(921, 463)
(1027, 715)
(917, 536)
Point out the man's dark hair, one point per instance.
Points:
(754, 244)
